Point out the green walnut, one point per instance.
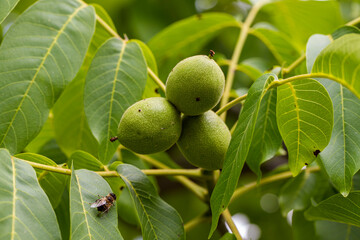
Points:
(204, 140)
(195, 85)
(150, 125)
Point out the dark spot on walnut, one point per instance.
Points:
(197, 99)
(139, 110)
(306, 164)
(122, 187)
(156, 90)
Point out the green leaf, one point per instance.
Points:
(6, 7)
(85, 188)
(279, 44)
(151, 88)
(157, 218)
(266, 140)
(228, 236)
(340, 61)
(45, 135)
(302, 228)
(81, 159)
(338, 209)
(63, 214)
(300, 19)
(25, 209)
(71, 127)
(297, 193)
(304, 115)
(36, 65)
(238, 148)
(186, 37)
(52, 183)
(314, 46)
(343, 31)
(334, 231)
(339, 158)
(116, 79)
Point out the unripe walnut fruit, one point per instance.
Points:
(195, 85)
(150, 125)
(204, 140)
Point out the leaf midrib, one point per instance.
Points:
(39, 68)
(82, 204)
(141, 203)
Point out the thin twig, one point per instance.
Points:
(227, 216)
(156, 79)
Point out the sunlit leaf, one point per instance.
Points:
(304, 114)
(238, 148)
(5, 8)
(340, 61)
(300, 19)
(157, 218)
(52, 183)
(26, 211)
(338, 209)
(116, 79)
(38, 58)
(85, 188)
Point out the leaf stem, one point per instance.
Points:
(156, 79)
(227, 216)
(353, 22)
(241, 190)
(199, 191)
(107, 27)
(236, 55)
(293, 65)
(150, 172)
(231, 104)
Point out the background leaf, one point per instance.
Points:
(45, 135)
(158, 219)
(304, 116)
(52, 183)
(300, 19)
(266, 140)
(116, 79)
(238, 148)
(185, 38)
(340, 60)
(297, 193)
(337, 208)
(278, 43)
(85, 223)
(6, 7)
(302, 228)
(36, 65)
(333, 231)
(25, 209)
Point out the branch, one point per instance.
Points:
(199, 191)
(236, 55)
(231, 104)
(156, 79)
(241, 190)
(227, 216)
